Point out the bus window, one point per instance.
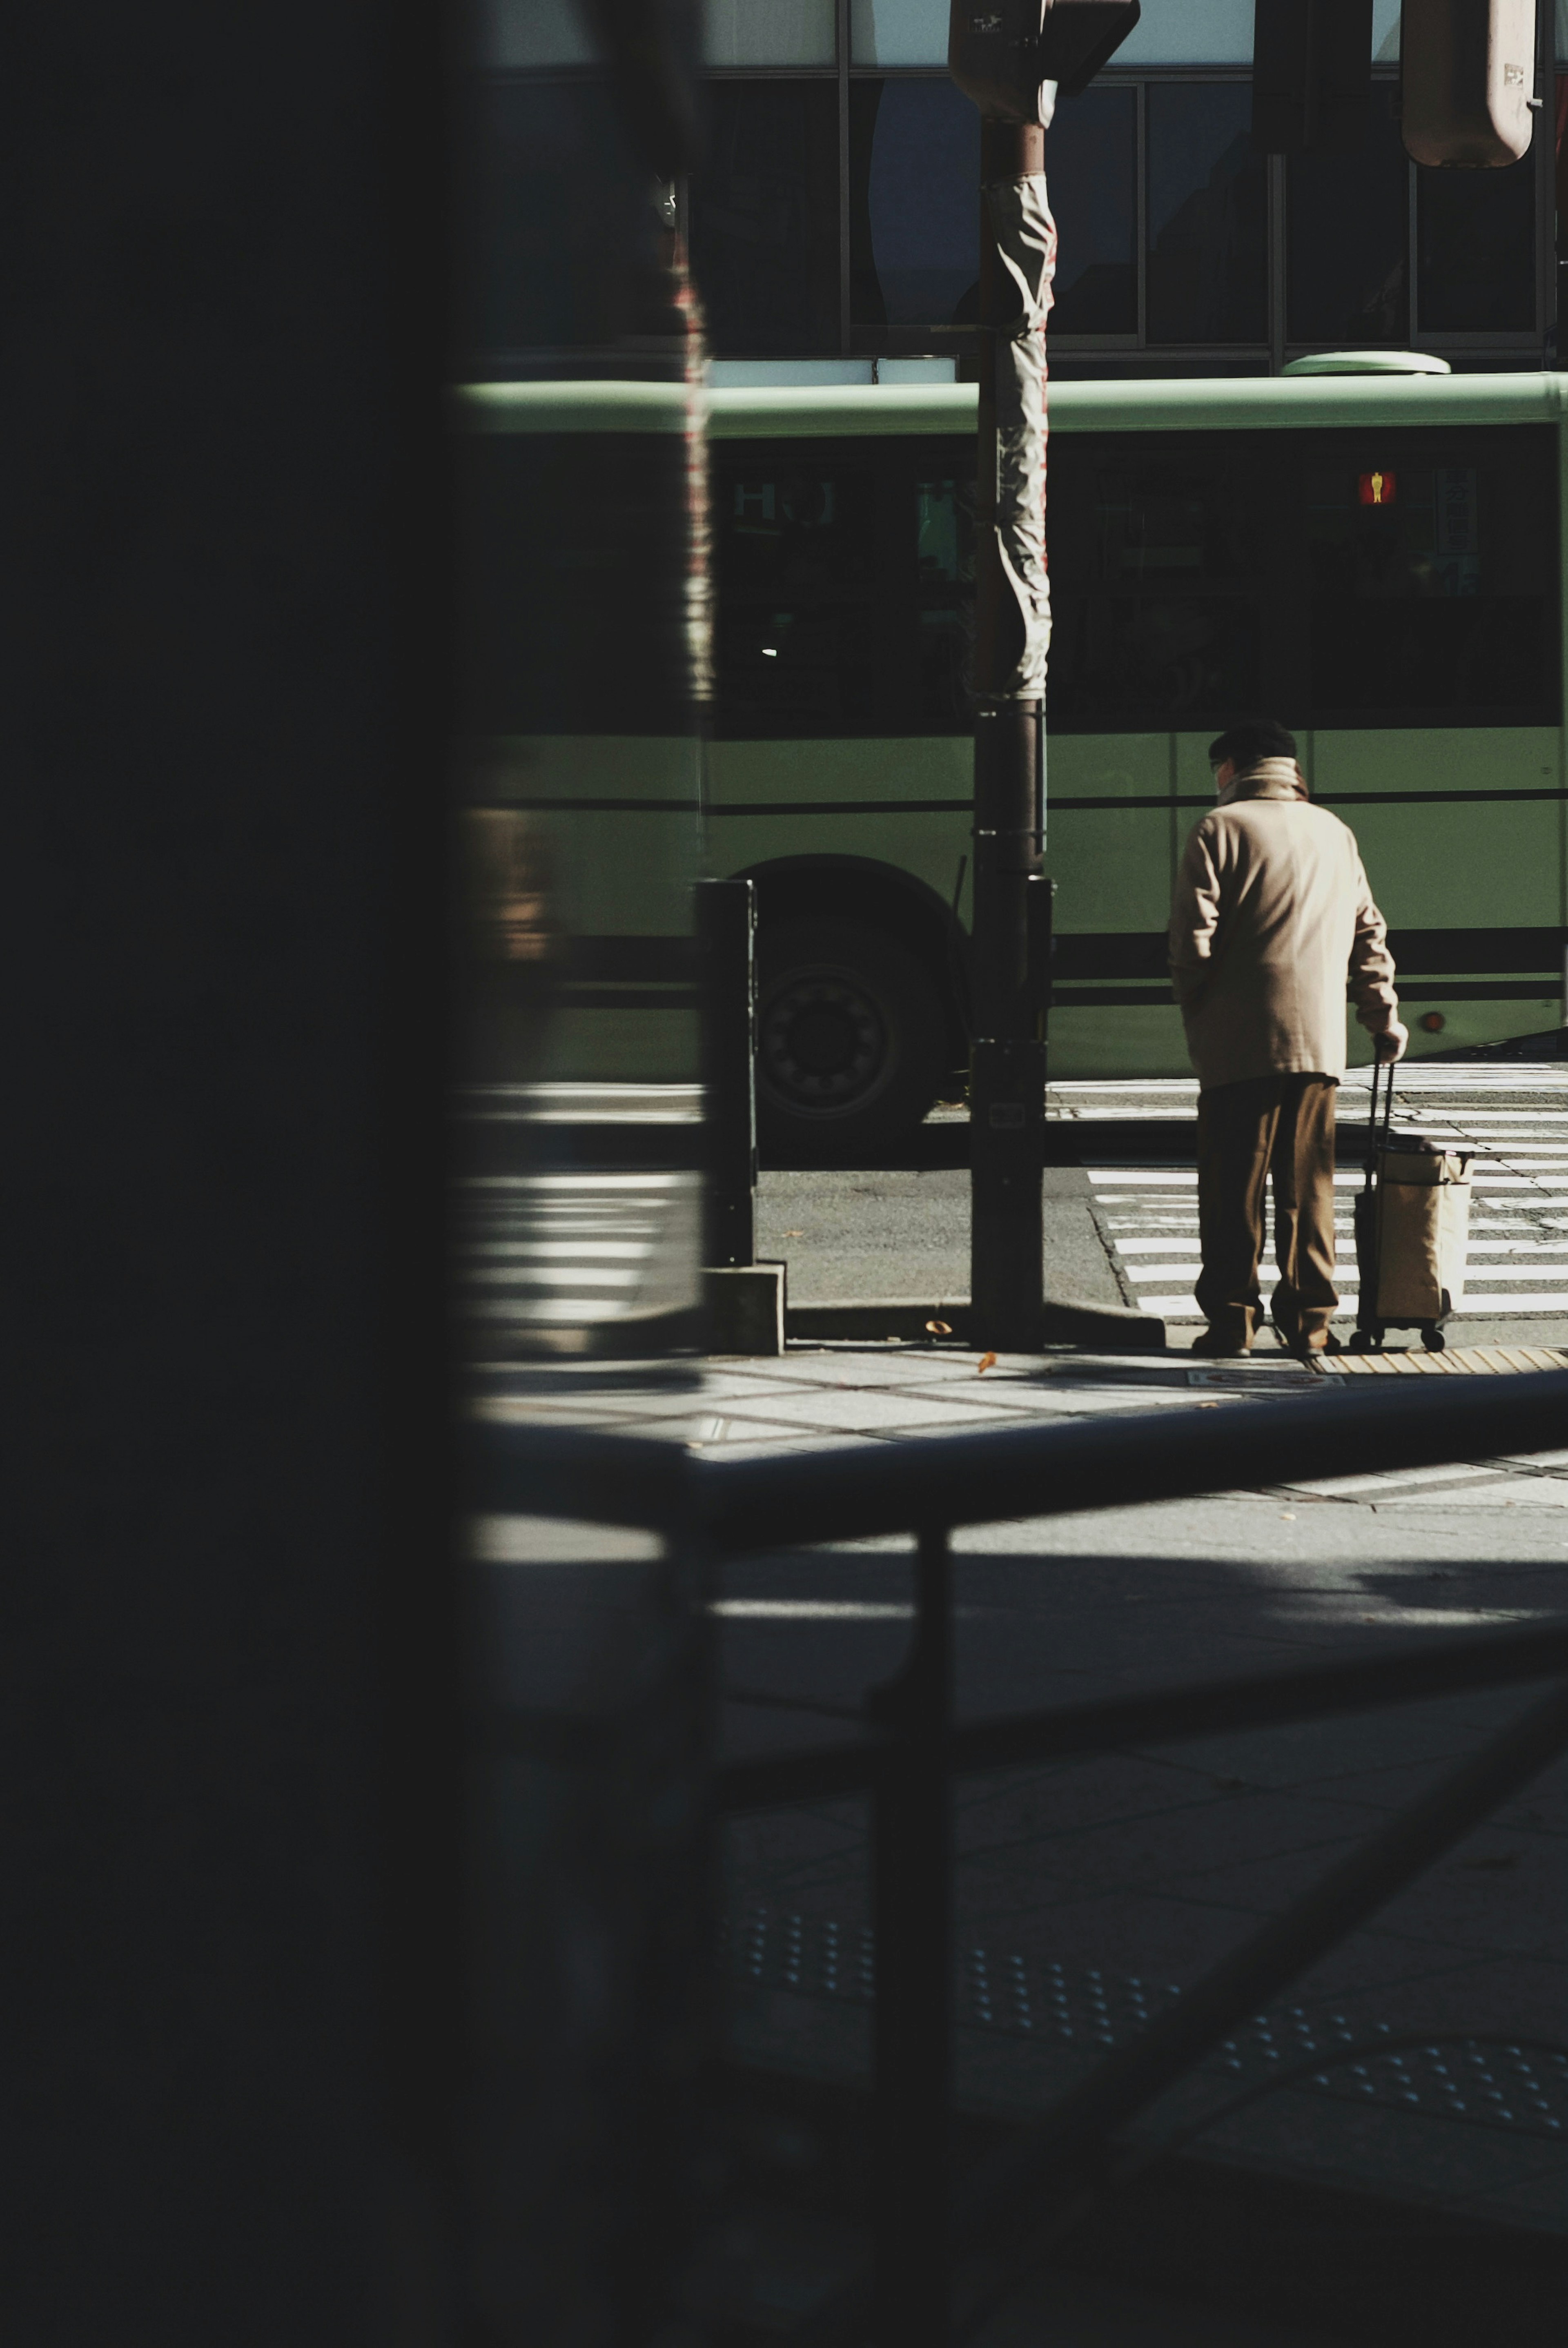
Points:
(1431, 577)
(945, 587)
(1156, 571)
(796, 540)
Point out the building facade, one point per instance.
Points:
(834, 219)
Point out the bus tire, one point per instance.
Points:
(850, 1030)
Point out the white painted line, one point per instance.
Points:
(1156, 1178)
(1503, 1307)
(808, 1610)
(1496, 1272)
(1268, 1277)
(1518, 1247)
(1496, 1308)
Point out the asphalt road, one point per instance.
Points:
(1124, 1231)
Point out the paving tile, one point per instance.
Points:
(1186, 1844)
(1067, 2310)
(1342, 2143)
(704, 1429)
(1322, 1753)
(1540, 2200)
(1380, 1975)
(1391, 1788)
(1498, 1891)
(1061, 1798)
(1512, 1492)
(632, 1402)
(862, 1408)
(885, 1367)
(1460, 1903)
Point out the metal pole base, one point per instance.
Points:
(1008, 1148)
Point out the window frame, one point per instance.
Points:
(1135, 353)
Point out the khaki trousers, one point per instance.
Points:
(1281, 1127)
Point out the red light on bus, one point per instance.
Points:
(1377, 488)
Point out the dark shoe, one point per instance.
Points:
(1223, 1344)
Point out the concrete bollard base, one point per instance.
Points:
(745, 1308)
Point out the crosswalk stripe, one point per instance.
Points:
(1513, 1124)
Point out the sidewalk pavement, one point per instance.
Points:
(1089, 1892)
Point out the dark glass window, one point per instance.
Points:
(1432, 576)
(562, 531)
(1347, 225)
(550, 188)
(845, 582)
(944, 496)
(1207, 216)
(797, 548)
(1091, 173)
(1157, 558)
(765, 217)
(914, 203)
(1475, 250)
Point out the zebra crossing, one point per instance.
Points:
(1515, 1121)
(576, 1213)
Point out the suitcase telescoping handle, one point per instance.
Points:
(1384, 1068)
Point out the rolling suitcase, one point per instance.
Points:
(1412, 1224)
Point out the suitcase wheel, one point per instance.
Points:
(1366, 1341)
(1432, 1338)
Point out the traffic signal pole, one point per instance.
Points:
(1013, 58)
(1007, 1078)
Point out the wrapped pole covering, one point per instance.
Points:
(1026, 242)
(1012, 632)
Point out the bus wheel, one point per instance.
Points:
(849, 1036)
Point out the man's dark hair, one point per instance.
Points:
(1249, 739)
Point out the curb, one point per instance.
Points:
(1066, 1321)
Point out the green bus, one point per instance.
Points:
(1373, 557)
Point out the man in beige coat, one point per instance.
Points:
(1271, 917)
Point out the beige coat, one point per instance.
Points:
(1272, 915)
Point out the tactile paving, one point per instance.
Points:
(1522, 2088)
(1461, 1361)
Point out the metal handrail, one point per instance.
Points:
(912, 1747)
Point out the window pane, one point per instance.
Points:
(944, 594)
(765, 217)
(1190, 32)
(1475, 253)
(1157, 571)
(1431, 569)
(1091, 169)
(1347, 223)
(898, 32)
(559, 532)
(795, 546)
(1207, 216)
(551, 188)
(767, 31)
(914, 202)
(533, 33)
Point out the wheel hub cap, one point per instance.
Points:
(823, 1044)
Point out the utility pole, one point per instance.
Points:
(1012, 631)
(1012, 56)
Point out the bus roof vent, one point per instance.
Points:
(1368, 362)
